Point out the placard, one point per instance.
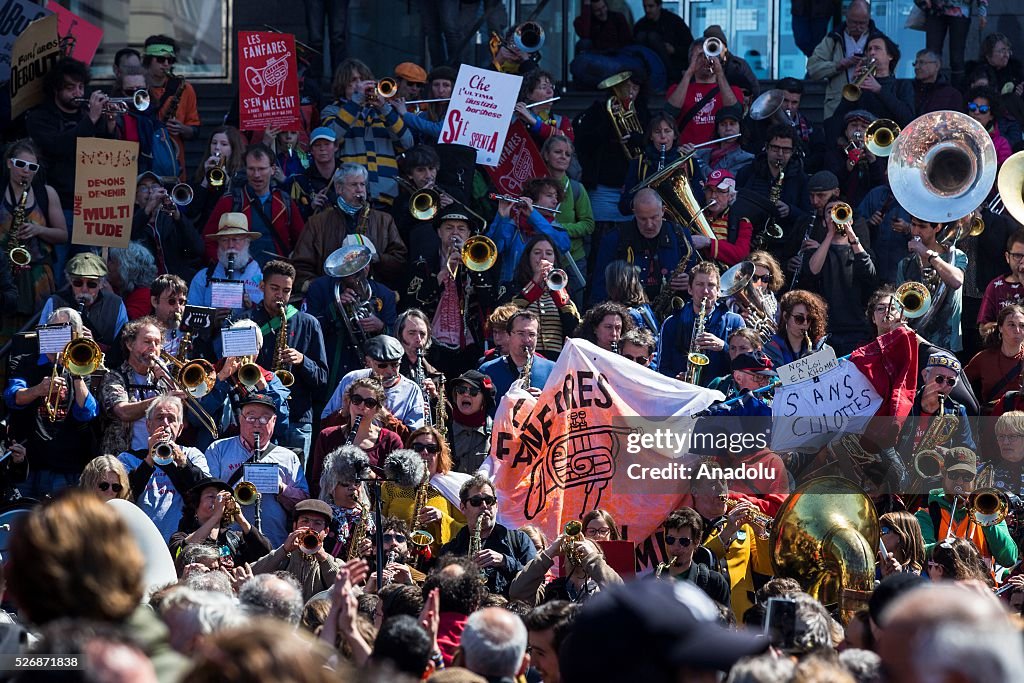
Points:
(227, 293)
(239, 341)
(78, 37)
(53, 338)
(814, 365)
(104, 192)
(268, 81)
(520, 161)
(197, 319)
(15, 16)
(264, 476)
(480, 112)
(34, 52)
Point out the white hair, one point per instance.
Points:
(347, 169)
(973, 654)
(193, 613)
(494, 642)
(169, 400)
(70, 315)
(250, 323)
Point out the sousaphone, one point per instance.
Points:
(1011, 186)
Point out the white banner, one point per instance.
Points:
(809, 414)
(482, 108)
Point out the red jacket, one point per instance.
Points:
(287, 224)
(449, 634)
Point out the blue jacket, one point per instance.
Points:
(502, 372)
(510, 240)
(674, 343)
(660, 254)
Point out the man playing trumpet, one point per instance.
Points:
(303, 554)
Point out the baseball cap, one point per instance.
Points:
(961, 460)
(411, 72)
(755, 362)
(86, 265)
(147, 174)
(721, 179)
(672, 622)
(323, 133)
(258, 398)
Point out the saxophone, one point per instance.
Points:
(476, 543)
(668, 301)
(663, 566)
(358, 533)
(524, 375)
(420, 539)
(286, 377)
(772, 231)
(695, 358)
(19, 256)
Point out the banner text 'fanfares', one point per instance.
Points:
(268, 90)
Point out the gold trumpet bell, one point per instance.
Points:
(914, 298)
(387, 88)
(880, 137)
(286, 378)
(479, 253)
(424, 204)
(249, 374)
(1011, 186)
(198, 377)
(246, 493)
(82, 357)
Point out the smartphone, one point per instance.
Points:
(780, 622)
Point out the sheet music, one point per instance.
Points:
(264, 476)
(239, 341)
(226, 293)
(53, 338)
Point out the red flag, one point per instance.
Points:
(890, 364)
(520, 161)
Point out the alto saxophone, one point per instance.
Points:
(358, 533)
(668, 301)
(19, 256)
(527, 367)
(695, 358)
(286, 377)
(420, 539)
(476, 543)
(663, 566)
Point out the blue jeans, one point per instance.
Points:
(41, 483)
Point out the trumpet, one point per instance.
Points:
(119, 105)
(246, 493)
(384, 89)
(761, 522)
(494, 196)
(571, 548)
(988, 506)
(713, 48)
(216, 177)
(841, 214)
(479, 253)
(556, 280)
(852, 91)
(880, 137)
(179, 196)
(163, 453)
(310, 543)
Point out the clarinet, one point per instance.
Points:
(231, 265)
(661, 159)
(351, 439)
(421, 376)
(257, 456)
(800, 254)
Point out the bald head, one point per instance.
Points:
(649, 212)
(494, 643)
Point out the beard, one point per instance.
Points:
(242, 257)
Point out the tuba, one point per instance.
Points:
(346, 262)
(673, 186)
(1011, 186)
(738, 282)
(623, 114)
(943, 164)
(825, 536)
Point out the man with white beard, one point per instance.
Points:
(233, 263)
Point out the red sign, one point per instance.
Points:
(268, 81)
(520, 161)
(78, 37)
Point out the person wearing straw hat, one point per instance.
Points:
(233, 263)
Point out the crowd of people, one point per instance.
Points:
(389, 296)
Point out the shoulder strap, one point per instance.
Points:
(257, 206)
(703, 577)
(172, 88)
(685, 119)
(1006, 379)
(936, 514)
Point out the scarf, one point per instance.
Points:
(474, 420)
(348, 208)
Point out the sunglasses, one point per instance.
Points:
(800, 318)
(387, 364)
(91, 284)
(683, 542)
(21, 163)
(980, 108)
(431, 448)
(393, 538)
(166, 60)
(885, 531)
(477, 501)
(642, 360)
(104, 486)
(942, 379)
(766, 278)
(368, 401)
(960, 476)
(462, 390)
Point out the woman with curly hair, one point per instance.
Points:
(440, 516)
(106, 477)
(803, 322)
(624, 286)
(604, 325)
(767, 280)
(901, 534)
(364, 401)
(558, 314)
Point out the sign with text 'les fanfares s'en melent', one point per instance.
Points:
(104, 192)
(268, 81)
(482, 108)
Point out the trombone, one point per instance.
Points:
(80, 358)
(173, 383)
(852, 91)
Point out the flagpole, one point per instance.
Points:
(763, 390)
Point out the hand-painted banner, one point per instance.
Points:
(480, 112)
(268, 81)
(519, 162)
(104, 192)
(78, 37)
(15, 16)
(35, 51)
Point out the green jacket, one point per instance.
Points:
(576, 217)
(1000, 543)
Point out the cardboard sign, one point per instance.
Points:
(818, 363)
(15, 16)
(480, 112)
(35, 51)
(79, 38)
(268, 81)
(519, 162)
(104, 192)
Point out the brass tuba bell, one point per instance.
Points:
(1011, 186)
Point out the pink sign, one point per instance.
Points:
(78, 37)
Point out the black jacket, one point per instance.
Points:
(602, 157)
(181, 244)
(57, 133)
(515, 545)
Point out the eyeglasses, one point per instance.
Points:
(980, 108)
(603, 531)
(766, 278)
(960, 476)
(166, 60)
(934, 565)
(800, 318)
(462, 390)
(642, 360)
(477, 501)
(369, 401)
(91, 284)
(393, 538)
(780, 150)
(1015, 257)
(261, 420)
(1009, 437)
(683, 542)
(21, 163)
(431, 448)
(104, 486)
(942, 379)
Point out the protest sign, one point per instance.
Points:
(104, 192)
(15, 16)
(80, 39)
(268, 81)
(480, 112)
(519, 162)
(35, 51)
